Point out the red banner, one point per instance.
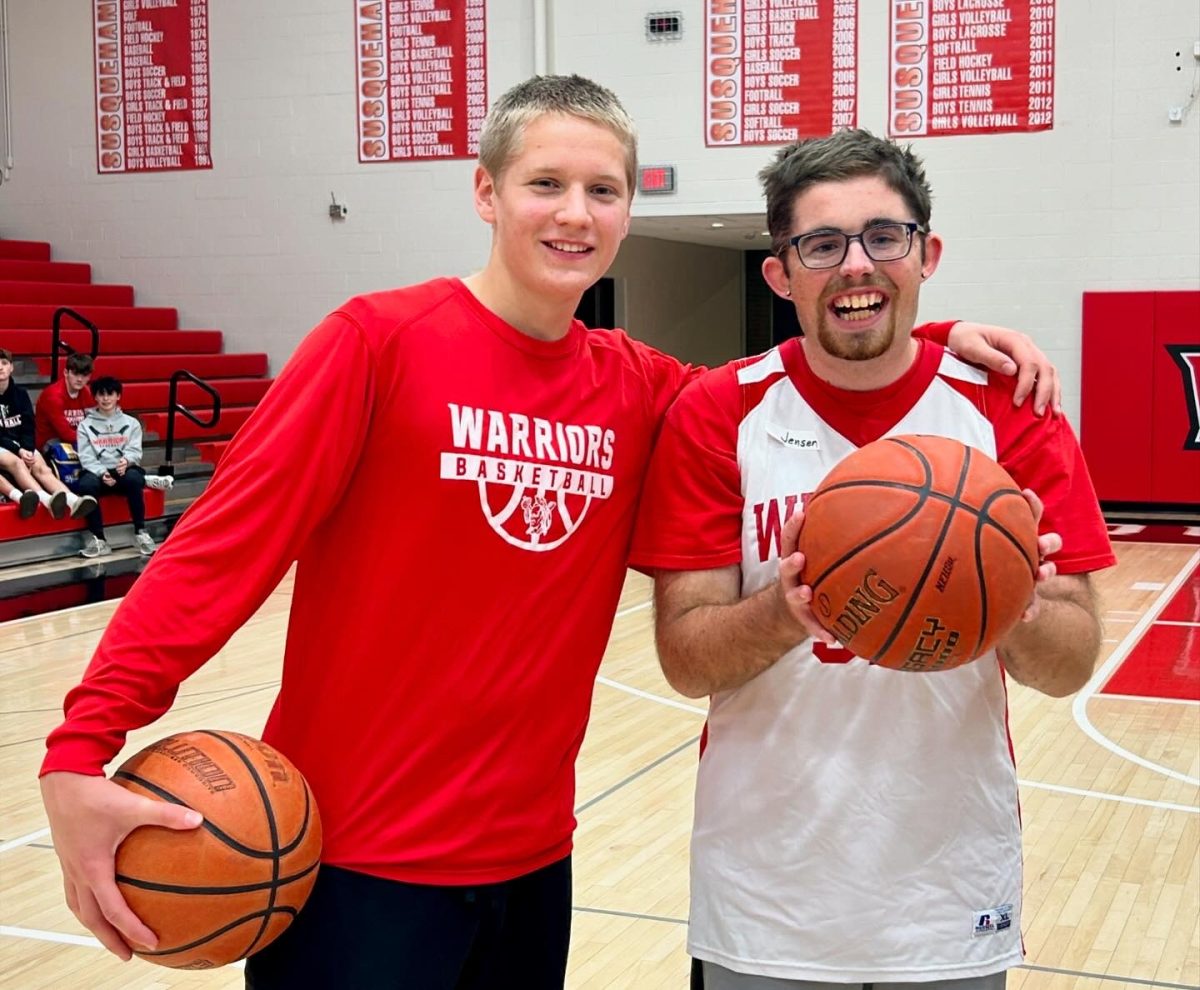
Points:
(779, 70)
(151, 85)
(422, 78)
(971, 67)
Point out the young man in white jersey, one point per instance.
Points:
(435, 696)
(854, 825)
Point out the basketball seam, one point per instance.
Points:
(283, 909)
(208, 826)
(983, 519)
(920, 584)
(925, 493)
(186, 889)
(272, 827)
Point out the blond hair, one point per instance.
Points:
(572, 96)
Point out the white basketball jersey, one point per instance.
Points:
(853, 823)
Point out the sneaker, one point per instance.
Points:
(82, 505)
(58, 505)
(28, 503)
(93, 546)
(145, 543)
(162, 482)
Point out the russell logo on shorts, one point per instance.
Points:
(536, 477)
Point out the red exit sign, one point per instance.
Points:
(656, 178)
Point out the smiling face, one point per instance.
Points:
(861, 310)
(107, 401)
(559, 212)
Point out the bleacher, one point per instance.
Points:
(143, 347)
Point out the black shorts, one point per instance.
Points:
(359, 932)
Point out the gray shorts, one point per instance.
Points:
(719, 978)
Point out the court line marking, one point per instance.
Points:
(62, 938)
(1098, 795)
(1118, 656)
(24, 840)
(1107, 976)
(657, 698)
(1144, 802)
(681, 748)
(40, 935)
(1176, 622)
(632, 608)
(1149, 701)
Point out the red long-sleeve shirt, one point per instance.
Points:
(460, 499)
(58, 415)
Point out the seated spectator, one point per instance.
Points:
(63, 403)
(109, 442)
(25, 477)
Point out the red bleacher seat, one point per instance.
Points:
(25, 250)
(155, 424)
(115, 509)
(33, 315)
(141, 396)
(210, 451)
(16, 270)
(64, 293)
(152, 367)
(37, 342)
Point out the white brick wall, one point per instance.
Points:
(1109, 199)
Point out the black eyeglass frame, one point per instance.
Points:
(911, 228)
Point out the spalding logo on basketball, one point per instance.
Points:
(536, 478)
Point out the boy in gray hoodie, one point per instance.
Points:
(109, 443)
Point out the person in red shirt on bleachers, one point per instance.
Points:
(63, 403)
(25, 477)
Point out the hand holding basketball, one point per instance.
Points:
(89, 818)
(228, 889)
(795, 595)
(1048, 544)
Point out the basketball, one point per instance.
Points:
(227, 888)
(921, 553)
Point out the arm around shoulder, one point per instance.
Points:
(1055, 653)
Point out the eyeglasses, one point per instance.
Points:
(881, 242)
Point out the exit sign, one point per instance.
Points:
(656, 178)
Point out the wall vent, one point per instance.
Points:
(665, 25)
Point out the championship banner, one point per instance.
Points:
(151, 85)
(779, 70)
(422, 78)
(970, 67)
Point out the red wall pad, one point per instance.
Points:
(1140, 415)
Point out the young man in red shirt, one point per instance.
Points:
(64, 402)
(515, 442)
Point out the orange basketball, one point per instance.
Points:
(921, 552)
(221, 891)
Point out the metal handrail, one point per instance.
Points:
(173, 407)
(57, 344)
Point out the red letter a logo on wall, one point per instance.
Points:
(1187, 356)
